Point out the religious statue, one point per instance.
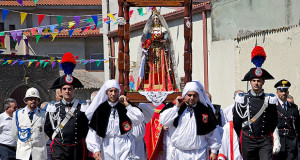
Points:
(156, 72)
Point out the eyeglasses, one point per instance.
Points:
(194, 95)
(283, 89)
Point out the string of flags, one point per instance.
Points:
(43, 63)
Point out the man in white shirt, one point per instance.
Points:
(111, 120)
(28, 128)
(7, 142)
(228, 110)
(192, 126)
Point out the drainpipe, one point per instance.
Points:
(205, 54)
(112, 45)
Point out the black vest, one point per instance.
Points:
(218, 114)
(205, 118)
(100, 119)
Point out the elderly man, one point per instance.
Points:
(28, 128)
(192, 126)
(67, 124)
(255, 113)
(288, 122)
(111, 120)
(7, 142)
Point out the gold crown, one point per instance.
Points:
(155, 12)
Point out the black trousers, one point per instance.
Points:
(68, 152)
(256, 148)
(7, 152)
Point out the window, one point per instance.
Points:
(1, 26)
(93, 66)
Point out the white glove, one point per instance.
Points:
(276, 140)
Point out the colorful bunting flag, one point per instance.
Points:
(30, 62)
(41, 62)
(40, 30)
(98, 62)
(20, 2)
(51, 59)
(14, 63)
(35, 1)
(1, 51)
(141, 12)
(9, 61)
(4, 14)
(71, 24)
(2, 38)
(19, 39)
(2, 33)
(37, 38)
(105, 19)
(12, 55)
(111, 16)
(81, 60)
(19, 33)
(130, 13)
(23, 16)
(32, 30)
(53, 64)
(77, 20)
(13, 35)
(106, 61)
(71, 32)
(52, 27)
(40, 17)
(107, 22)
(95, 19)
(46, 36)
(37, 64)
(60, 28)
(20, 62)
(53, 36)
(45, 64)
(59, 19)
(92, 60)
(89, 20)
(85, 62)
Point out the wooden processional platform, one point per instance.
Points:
(124, 37)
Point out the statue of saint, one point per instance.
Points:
(156, 71)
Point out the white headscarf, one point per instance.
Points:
(196, 86)
(101, 97)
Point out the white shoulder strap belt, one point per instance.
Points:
(66, 119)
(258, 114)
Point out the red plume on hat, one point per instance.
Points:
(258, 56)
(68, 63)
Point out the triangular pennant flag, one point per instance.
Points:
(85, 62)
(37, 37)
(20, 62)
(19, 39)
(23, 16)
(115, 23)
(106, 61)
(2, 38)
(19, 33)
(39, 58)
(1, 52)
(89, 20)
(41, 62)
(12, 55)
(4, 14)
(92, 60)
(40, 17)
(71, 32)
(45, 64)
(46, 36)
(35, 1)
(53, 36)
(99, 23)
(141, 12)
(107, 22)
(77, 20)
(51, 59)
(82, 29)
(30, 62)
(71, 24)
(98, 62)
(2, 33)
(111, 16)
(13, 35)
(14, 63)
(105, 19)
(81, 60)
(87, 28)
(58, 61)
(53, 64)
(95, 27)
(9, 61)
(52, 27)
(32, 30)
(130, 13)
(40, 30)
(37, 64)
(60, 28)
(95, 19)
(26, 42)
(20, 2)
(59, 19)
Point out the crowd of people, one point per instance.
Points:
(258, 125)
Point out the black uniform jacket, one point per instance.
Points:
(288, 126)
(75, 130)
(264, 125)
(205, 118)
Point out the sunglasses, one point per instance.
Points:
(283, 89)
(194, 95)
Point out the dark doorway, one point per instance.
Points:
(19, 95)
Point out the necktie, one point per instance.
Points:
(30, 114)
(190, 109)
(284, 105)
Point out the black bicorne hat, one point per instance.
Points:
(66, 80)
(68, 63)
(257, 73)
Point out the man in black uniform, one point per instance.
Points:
(255, 113)
(66, 123)
(288, 122)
